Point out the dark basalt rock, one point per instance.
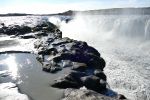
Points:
(63, 84)
(57, 42)
(51, 67)
(89, 59)
(121, 97)
(79, 66)
(93, 51)
(58, 32)
(100, 74)
(1, 30)
(48, 51)
(46, 26)
(21, 30)
(24, 29)
(95, 61)
(78, 79)
(2, 24)
(85, 94)
(83, 47)
(16, 29)
(71, 80)
(94, 83)
(71, 45)
(77, 75)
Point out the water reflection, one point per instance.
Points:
(29, 77)
(12, 66)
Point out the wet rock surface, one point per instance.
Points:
(22, 31)
(86, 64)
(84, 94)
(15, 29)
(56, 53)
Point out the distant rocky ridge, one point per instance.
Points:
(14, 14)
(119, 11)
(111, 11)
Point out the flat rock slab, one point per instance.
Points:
(84, 94)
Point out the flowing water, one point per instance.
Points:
(123, 41)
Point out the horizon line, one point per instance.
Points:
(75, 11)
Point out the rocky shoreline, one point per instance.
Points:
(56, 53)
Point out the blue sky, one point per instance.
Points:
(54, 6)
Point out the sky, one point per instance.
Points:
(55, 6)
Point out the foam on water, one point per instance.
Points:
(108, 26)
(9, 91)
(123, 41)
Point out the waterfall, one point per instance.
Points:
(124, 43)
(147, 29)
(107, 26)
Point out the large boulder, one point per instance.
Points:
(1, 30)
(61, 41)
(51, 67)
(71, 80)
(48, 51)
(63, 83)
(16, 30)
(93, 83)
(84, 94)
(24, 29)
(46, 26)
(76, 79)
(83, 47)
(100, 74)
(89, 59)
(79, 66)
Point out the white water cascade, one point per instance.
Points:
(108, 26)
(123, 41)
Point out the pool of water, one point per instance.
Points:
(26, 72)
